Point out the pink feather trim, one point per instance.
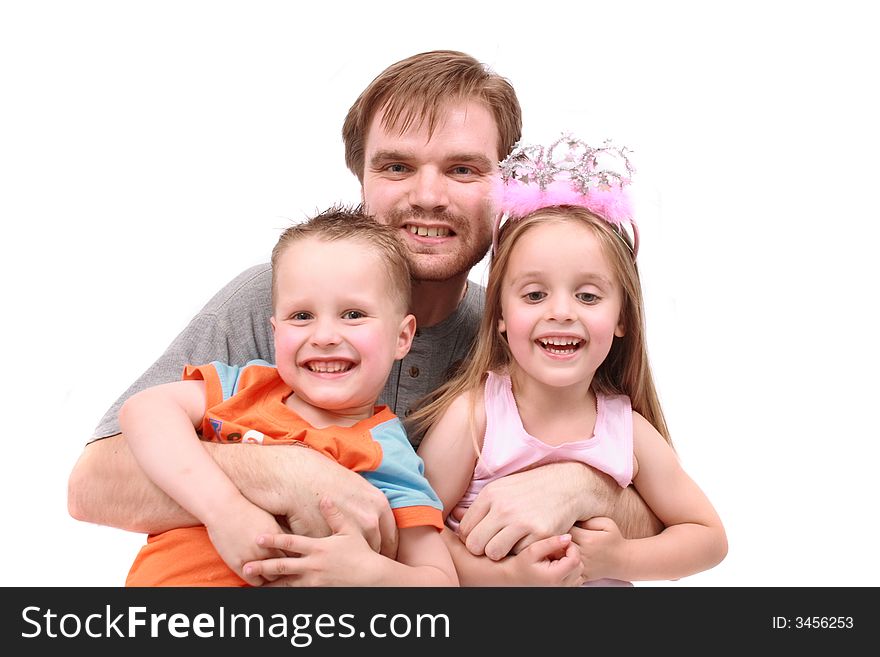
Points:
(516, 199)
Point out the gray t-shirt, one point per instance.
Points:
(234, 328)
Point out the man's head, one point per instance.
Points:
(340, 309)
(425, 139)
(417, 90)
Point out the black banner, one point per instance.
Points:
(400, 621)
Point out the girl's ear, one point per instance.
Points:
(502, 327)
(620, 329)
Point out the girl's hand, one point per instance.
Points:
(601, 547)
(553, 561)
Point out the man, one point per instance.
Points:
(424, 139)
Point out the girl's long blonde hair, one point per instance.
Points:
(626, 369)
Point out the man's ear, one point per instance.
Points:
(405, 336)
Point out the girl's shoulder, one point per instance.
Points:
(470, 401)
(642, 428)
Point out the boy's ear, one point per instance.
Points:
(272, 322)
(405, 336)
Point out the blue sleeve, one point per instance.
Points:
(230, 374)
(401, 475)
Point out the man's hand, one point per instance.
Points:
(364, 506)
(513, 512)
(291, 480)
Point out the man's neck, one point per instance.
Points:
(434, 301)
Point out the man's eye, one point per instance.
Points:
(396, 168)
(353, 314)
(462, 171)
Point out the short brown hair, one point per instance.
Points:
(418, 89)
(341, 222)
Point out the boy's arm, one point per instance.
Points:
(160, 426)
(508, 516)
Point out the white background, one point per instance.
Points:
(149, 151)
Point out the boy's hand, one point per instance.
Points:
(234, 537)
(341, 559)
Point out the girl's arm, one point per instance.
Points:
(449, 448)
(694, 539)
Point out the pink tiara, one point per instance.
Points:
(567, 172)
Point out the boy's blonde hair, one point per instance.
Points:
(352, 223)
(626, 369)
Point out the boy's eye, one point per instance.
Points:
(353, 314)
(301, 316)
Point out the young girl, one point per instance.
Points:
(559, 372)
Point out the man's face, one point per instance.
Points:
(435, 190)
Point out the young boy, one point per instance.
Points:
(340, 296)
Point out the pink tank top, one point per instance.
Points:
(509, 448)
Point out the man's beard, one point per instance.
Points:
(474, 242)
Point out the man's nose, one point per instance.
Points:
(429, 191)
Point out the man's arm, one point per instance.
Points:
(108, 487)
(513, 512)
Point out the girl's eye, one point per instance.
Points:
(587, 297)
(534, 296)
